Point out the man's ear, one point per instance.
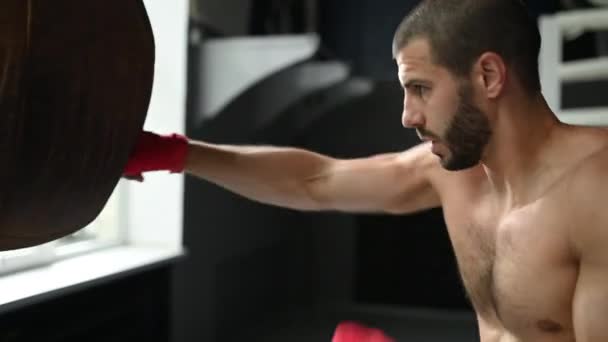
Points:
(491, 74)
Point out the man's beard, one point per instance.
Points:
(467, 135)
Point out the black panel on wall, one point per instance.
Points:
(584, 94)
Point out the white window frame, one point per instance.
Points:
(113, 220)
(554, 29)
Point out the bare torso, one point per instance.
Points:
(518, 265)
(517, 269)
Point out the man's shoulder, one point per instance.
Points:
(584, 188)
(592, 168)
(583, 199)
(581, 173)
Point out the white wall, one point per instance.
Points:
(155, 206)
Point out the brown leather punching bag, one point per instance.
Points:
(75, 84)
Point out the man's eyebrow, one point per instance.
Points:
(409, 82)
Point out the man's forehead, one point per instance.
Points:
(415, 61)
(414, 56)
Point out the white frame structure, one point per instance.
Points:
(553, 70)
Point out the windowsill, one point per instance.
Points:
(64, 276)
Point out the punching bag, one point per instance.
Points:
(75, 83)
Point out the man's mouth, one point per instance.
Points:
(425, 137)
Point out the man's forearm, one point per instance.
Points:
(272, 175)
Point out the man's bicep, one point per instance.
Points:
(590, 304)
(590, 238)
(394, 183)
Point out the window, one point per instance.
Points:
(107, 230)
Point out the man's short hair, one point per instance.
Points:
(459, 31)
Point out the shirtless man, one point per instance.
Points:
(521, 191)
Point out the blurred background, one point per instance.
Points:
(306, 73)
(396, 272)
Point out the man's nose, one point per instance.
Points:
(412, 118)
(412, 115)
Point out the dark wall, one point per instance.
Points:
(399, 260)
(131, 308)
(361, 32)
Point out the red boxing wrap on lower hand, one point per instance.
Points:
(354, 332)
(155, 152)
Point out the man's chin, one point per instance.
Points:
(449, 160)
(452, 164)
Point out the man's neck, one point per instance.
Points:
(523, 135)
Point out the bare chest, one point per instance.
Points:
(517, 270)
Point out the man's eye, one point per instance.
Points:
(419, 90)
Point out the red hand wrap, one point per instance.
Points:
(155, 152)
(354, 332)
